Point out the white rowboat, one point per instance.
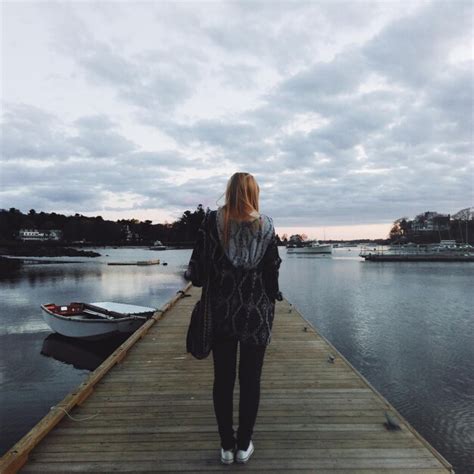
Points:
(95, 320)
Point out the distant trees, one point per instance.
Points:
(431, 227)
(297, 238)
(400, 228)
(98, 231)
(188, 224)
(424, 228)
(10, 223)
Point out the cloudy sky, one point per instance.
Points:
(349, 114)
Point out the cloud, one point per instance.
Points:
(29, 132)
(358, 114)
(340, 75)
(156, 78)
(60, 166)
(451, 94)
(96, 137)
(414, 49)
(218, 133)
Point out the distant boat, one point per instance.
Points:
(143, 262)
(309, 247)
(158, 245)
(95, 320)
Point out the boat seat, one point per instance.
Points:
(95, 313)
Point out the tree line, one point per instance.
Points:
(79, 229)
(98, 231)
(183, 232)
(431, 228)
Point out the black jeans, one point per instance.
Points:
(224, 353)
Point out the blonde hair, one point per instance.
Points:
(241, 200)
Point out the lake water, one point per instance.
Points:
(407, 327)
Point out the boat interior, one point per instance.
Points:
(80, 311)
(72, 309)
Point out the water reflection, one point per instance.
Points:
(83, 355)
(9, 274)
(36, 275)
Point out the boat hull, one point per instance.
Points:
(418, 258)
(322, 249)
(90, 328)
(143, 262)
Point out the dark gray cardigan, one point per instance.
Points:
(241, 300)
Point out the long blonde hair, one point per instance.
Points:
(241, 200)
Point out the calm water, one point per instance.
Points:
(407, 327)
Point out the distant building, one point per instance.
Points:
(31, 234)
(55, 234)
(40, 235)
(430, 222)
(128, 234)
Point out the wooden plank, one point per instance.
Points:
(400, 454)
(207, 463)
(155, 467)
(52, 444)
(260, 434)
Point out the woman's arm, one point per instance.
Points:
(196, 271)
(271, 266)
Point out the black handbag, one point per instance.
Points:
(199, 337)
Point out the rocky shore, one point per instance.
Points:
(45, 251)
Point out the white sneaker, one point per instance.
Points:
(243, 456)
(227, 456)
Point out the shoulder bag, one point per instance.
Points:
(199, 335)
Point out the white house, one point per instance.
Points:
(40, 235)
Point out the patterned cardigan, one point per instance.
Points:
(241, 300)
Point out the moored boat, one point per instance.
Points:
(445, 251)
(158, 245)
(309, 246)
(95, 320)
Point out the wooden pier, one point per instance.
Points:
(148, 408)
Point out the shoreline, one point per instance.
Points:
(45, 251)
(11, 262)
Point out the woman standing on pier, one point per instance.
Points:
(236, 261)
